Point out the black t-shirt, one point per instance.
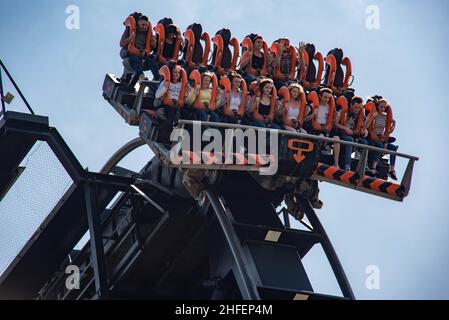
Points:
(264, 109)
(168, 50)
(257, 62)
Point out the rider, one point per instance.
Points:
(262, 106)
(256, 56)
(293, 109)
(283, 61)
(200, 98)
(171, 90)
(232, 101)
(320, 115)
(142, 63)
(378, 122)
(348, 133)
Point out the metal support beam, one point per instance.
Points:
(362, 163)
(407, 178)
(2, 113)
(249, 289)
(286, 218)
(96, 242)
(328, 250)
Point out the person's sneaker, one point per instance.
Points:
(357, 155)
(317, 204)
(327, 150)
(392, 175)
(371, 172)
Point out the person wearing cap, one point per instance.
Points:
(200, 98)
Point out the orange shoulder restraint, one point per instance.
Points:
(218, 41)
(371, 107)
(247, 44)
(165, 73)
(343, 103)
(196, 77)
(160, 30)
(274, 97)
(332, 62)
(347, 63)
(190, 36)
(319, 58)
(226, 84)
(275, 49)
(313, 97)
(132, 49)
(285, 93)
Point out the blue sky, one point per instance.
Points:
(61, 72)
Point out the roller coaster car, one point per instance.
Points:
(310, 77)
(335, 78)
(298, 157)
(127, 102)
(222, 58)
(194, 54)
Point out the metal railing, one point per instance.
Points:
(360, 170)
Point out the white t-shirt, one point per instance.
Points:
(380, 123)
(234, 104)
(323, 113)
(174, 89)
(293, 113)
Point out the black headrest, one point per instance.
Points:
(348, 94)
(252, 36)
(311, 69)
(310, 49)
(226, 35)
(165, 21)
(136, 15)
(171, 29)
(338, 54)
(197, 30)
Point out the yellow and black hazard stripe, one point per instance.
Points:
(380, 185)
(335, 173)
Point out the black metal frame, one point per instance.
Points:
(1, 94)
(246, 275)
(96, 241)
(15, 86)
(34, 128)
